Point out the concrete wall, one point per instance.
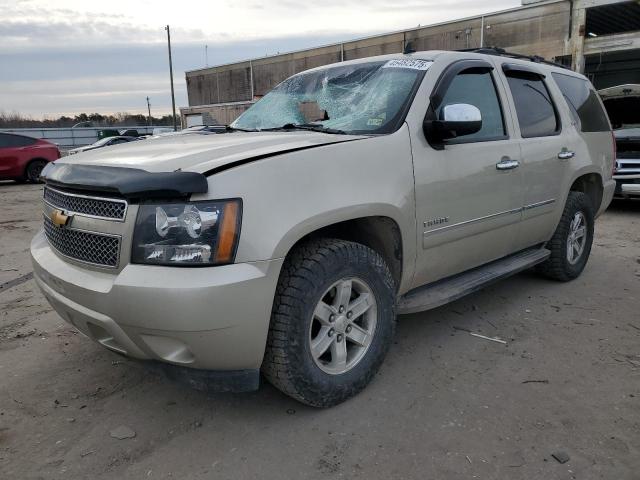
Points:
(221, 114)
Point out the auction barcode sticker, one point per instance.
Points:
(413, 63)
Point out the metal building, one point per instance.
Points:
(600, 38)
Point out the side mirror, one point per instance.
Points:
(456, 120)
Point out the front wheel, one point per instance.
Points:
(33, 171)
(332, 323)
(571, 243)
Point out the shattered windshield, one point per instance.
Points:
(362, 98)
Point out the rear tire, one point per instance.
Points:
(332, 322)
(33, 171)
(571, 243)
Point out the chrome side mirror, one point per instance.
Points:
(461, 112)
(455, 120)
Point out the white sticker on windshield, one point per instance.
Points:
(413, 63)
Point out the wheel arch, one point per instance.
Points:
(380, 232)
(590, 183)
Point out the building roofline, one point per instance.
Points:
(379, 35)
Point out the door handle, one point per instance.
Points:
(566, 154)
(507, 164)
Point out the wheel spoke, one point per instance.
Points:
(360, 305)
(323, 312)
(339, 355)
(343, 293)
(570, 250)
(322, 342)
(359, 335)
(579, 233)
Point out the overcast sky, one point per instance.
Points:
(71, 56)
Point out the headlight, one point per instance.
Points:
(193, 234)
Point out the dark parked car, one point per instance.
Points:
(105, 142)
(106, 133)
(131, 132)
(22, 158)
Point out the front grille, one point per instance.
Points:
(108, 208)
(87, 247)
(627, 166)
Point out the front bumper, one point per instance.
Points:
(627, 187)
(213, 318)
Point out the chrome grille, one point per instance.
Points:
(98, 207)
(626, 166)
(88, 247)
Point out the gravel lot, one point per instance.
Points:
(446, 405)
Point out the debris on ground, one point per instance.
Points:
(536, 381)
(561, 457)
(497, 340)
(122, 432)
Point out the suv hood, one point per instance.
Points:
(202, 152)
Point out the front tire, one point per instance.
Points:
(332, 322)
(33, 171)
(571, 243)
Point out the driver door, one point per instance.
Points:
(469, 188)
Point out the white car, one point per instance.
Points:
(623, 106)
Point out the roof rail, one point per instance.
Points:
(501, 52)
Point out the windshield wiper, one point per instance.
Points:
(229, 128)
(305, 126)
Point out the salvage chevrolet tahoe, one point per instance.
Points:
(287, 243)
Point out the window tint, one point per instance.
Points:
(477, 89)
(536, 113)
(583, 103)
(8, 140)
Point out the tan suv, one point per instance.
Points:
(288, 242)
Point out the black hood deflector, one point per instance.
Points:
(131, 183)
(137, 184)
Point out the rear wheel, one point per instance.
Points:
(332, 323)
(33, 171)
(571, 243)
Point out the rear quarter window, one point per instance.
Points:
(583, 102)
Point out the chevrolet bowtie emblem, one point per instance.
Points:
(59, 218)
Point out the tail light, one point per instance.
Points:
(614, 168)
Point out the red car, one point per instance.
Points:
(23, 158)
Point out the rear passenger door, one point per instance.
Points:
(544, 151)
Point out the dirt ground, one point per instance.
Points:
(445, 405)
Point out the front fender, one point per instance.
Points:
(288, 196)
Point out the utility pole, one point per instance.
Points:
(173, 97)
(149, 111)
(206, 55)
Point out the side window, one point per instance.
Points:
(537, 115)
(12, 141)
(477, 88)
(583, 103)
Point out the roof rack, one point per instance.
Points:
(501, 52)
